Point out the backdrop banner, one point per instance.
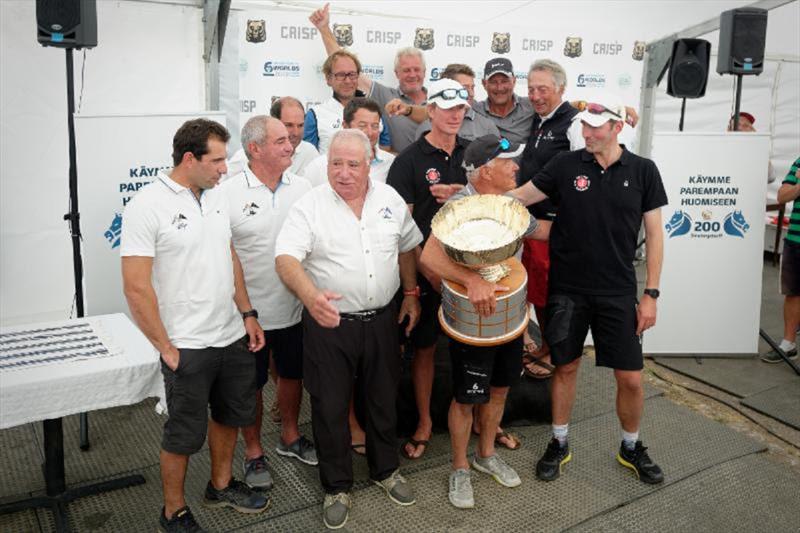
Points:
(713, 243)
(127, 151)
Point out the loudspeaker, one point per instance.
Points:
(742, 36)
(688, 68)
(67, 23)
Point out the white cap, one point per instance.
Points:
(435, 94)
(613, 110)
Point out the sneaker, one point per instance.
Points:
(236, 495)
(461, 489)
(773, 357)
(498, 469)
(256, 475)
(182, 521)
(302, 449)
(335, 510)
(548, 468)
(397, 488)
(638, 461)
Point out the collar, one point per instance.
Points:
(253, 182)
(404, 95)
(337, 198)
(358, 93)
(380, 156)
(173, 185)
(470, 113)
(558, 109)
(513, 108)
(624, 158)
(427, 148)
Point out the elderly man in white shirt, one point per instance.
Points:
(362, 114)
(259, 198)
(344, 250)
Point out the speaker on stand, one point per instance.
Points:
(688, 71)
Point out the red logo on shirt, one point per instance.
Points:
(582, 183)
(433, 176)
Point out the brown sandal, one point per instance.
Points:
(416, 444)
(531, 360)
(509, 437)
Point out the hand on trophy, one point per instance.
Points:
(481, 295)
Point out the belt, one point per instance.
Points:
(364, 316)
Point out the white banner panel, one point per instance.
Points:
(713, 242)
(122, 153)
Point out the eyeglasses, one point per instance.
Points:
(451, 94)
(341, 76)
(599, 109)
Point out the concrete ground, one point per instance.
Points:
(728, 468)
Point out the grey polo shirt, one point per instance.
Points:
(516, 126)
(402, 129)
(474, 126)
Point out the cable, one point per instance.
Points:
(83, 72)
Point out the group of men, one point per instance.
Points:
(318, 255)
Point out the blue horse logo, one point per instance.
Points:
(735, 224)
(114, 231)
(679, 224)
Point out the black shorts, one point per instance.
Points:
(222, 378)
(790, 269)
(613, 323)
(285, 345)
(426, 332)
(477, 368)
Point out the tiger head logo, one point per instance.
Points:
(343, 34)
(423, 38)
(501, 43)
(639, 48)
(573, 47)
(256, 31)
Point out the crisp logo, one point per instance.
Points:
(256, 32)
(639, 48)
(343, 34)
(432, 176)
(114, 231)
(582, 183)
(423, 39)
(501, 43)
(573, 47)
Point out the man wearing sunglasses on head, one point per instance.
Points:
(426, 174)
(604, 192)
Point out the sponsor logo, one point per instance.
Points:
(114, 232)
(591, 80)
(475, 389)
(179, 221)
(573, 47)
(298, 33)
(312, 103)
(624, 80)
(343, 34)
(383, 37)
(734, 224)
(286, 69)
(432, 176)
(250, 209)
(423, 38)
(436, 73)
(606, 49)
(455, 40)
(537, 45)
(639, 48)
(582, 183)
(247, 106)
(681, 223)
(501, 43)
(376, 72)
(385, 213)
(256, 31)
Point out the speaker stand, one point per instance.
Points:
(737, 102)
(683, 113)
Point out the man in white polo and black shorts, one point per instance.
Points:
(604, 192)
(184, 283)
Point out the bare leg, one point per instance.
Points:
(422, 368)
(221, 442)
(563, 391)
(490, 414)
(630, 399)
(173, 474)
(290, 394)
(791, 317)
(459, 421)
(252, 434)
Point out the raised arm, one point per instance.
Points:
(321, 19)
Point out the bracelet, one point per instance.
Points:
(412, 292)
(251, 313)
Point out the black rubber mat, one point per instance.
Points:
(781, 403)
(737, 376)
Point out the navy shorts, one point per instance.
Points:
(426, 332)
(221, 378)
(477, 368)
(613, 323)
(790, 269)
(286, 347)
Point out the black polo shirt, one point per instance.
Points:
(418, 167)
(593, 238)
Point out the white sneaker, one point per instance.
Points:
(461, 489)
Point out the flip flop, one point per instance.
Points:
(530, 348)
(362, 446)
(530, 360)
(509, 437)
(416, 444)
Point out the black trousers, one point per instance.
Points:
(331, 360)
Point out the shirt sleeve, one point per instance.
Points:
(386, 137)
(296, 237)
(380, 93)
(401, 178)
(139, 230)
(410, 236)
(533, 225)
(654, 195)
(790, 178)
(310, 131)
(575, 136)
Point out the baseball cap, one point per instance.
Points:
(498, 65)
(447, 93)
(484, 149)
(602, 108)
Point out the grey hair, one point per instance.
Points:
(548, 65)
(255, 131)
(408, 51)
(344, 135)
(474, 173)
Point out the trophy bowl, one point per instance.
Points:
(481, 230)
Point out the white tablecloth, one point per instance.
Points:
(66, 388)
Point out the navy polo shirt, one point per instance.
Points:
(593, 238)
(418, 167)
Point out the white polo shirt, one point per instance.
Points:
(189, 241)
(355, 258)
(317, 169)
(257, 215)
(302, 156)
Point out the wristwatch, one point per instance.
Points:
(251, 313)
(412, 292)
(653, 293)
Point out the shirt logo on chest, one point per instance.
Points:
(386, 213)
(582, 183)
(432, 176)
(337, 124)
(250, 209)
(179, 221)
(625, 183)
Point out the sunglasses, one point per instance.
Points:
(451, 94)
(599, 109)
(504, 145)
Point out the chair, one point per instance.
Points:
(779, 230)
